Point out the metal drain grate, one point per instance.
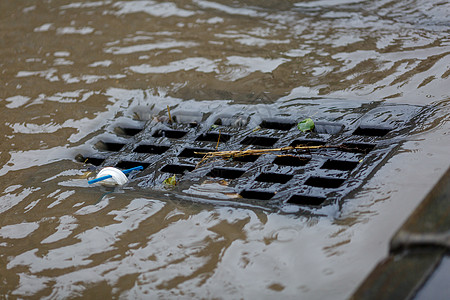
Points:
(309, 179)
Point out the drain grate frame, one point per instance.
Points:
(306, 179)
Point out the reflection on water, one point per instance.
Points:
(69, 70)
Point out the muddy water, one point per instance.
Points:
(69, 69)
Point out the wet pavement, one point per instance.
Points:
(418, 263)
(73, 72)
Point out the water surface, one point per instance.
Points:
(70, 70)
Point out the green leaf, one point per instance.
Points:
(171, 181)
(306, 125)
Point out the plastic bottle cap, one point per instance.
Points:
(117, 176)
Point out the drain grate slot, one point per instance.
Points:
(127, 164)
(341, 165)
(214, 137)
(190, 152)
(372, 131)
(129, 131)
(274, 177)
(91, 160)
(307, 143)
(259, 195)
(306, 200)
(276, 125)
(109, 146)
(171, 134)
(153, 149)
(177, 169)
(358, 147)
(324, 182)
(259, 141)
(290, 160)
(226, 173)
(246, 158)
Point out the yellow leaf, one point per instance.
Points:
(171, 180)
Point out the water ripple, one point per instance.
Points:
(72, 71)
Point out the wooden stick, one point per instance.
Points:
(239, 153)
(218, 140)
(170, 117)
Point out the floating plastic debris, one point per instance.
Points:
(113, 176)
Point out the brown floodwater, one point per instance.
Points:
(69, 70)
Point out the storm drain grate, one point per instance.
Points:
(349, 147)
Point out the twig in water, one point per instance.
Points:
(218, 140)
(170, 117)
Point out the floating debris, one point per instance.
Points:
(171, 181)
(113, 176)
(306, 125)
